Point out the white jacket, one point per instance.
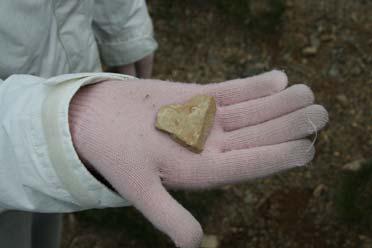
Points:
(52, 37)
(39, 168)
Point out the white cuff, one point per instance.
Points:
(86, 190)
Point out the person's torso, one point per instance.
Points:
(47, 37)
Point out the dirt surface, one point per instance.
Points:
(325, 44)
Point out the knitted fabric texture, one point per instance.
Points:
(259, 130)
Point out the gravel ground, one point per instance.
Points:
(325, 44)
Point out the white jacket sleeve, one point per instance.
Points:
(123, 30)
(39, 168)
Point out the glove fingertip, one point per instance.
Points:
(191, 239)
(280, 77)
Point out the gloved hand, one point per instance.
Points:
(259, 130)
(141, 69)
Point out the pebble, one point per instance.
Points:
(342, 99)
(319, 190)
(249, 197)
(209, 241)
(327, 37)
(314, 40)
(188, 123)
(309, 51)
(333, 71)
(353, 166)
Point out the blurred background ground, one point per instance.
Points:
(325, 44)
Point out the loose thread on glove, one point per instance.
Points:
(315, 131)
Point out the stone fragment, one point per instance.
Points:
(209, 241)
(309, 51)
(334, 71)
(188, 124)
(327, 37)
(354, 165)
(319, 190)
(342, 99)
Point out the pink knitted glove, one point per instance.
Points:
(259, 130)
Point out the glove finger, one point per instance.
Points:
(239, 90)
(293, 126)
(144, 66)
(158, 206)
(236, 166)
(266, 108)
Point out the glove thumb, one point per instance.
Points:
(150, 197)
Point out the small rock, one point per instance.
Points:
(333, 71)
(287, 57)
(319, 190)
(342, 99)
(314, 41)
(289, 4)
(189, 124)
(354, 16)
(309, 51)
(249, 197)
(353, 166)
(327, 37)
(336, 154)
(209, 241)
(366, 241)
(362, 237)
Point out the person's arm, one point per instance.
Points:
(39, 168)
(124, 34)
(260, 128)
